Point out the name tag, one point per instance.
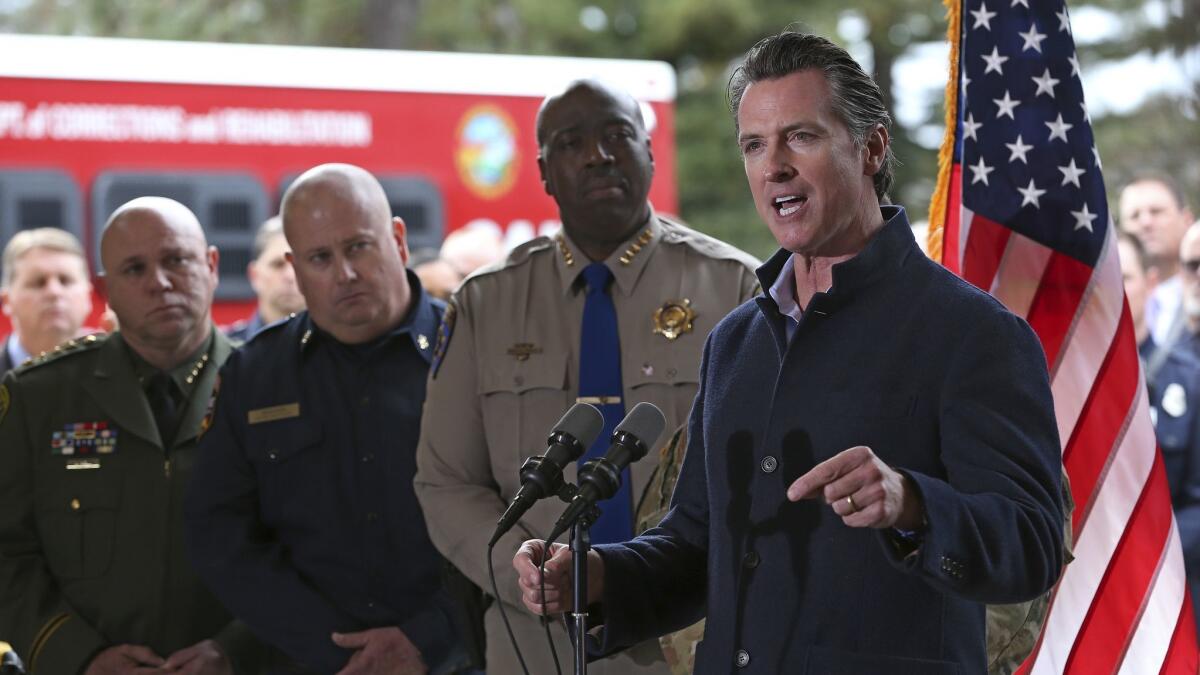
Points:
(275, 412)
(82, 464)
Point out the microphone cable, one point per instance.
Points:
(504, 615)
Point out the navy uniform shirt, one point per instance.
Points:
(1174, 396)
(301, 516)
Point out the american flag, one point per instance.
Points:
(1021, 213)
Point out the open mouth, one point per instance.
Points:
(788, 204)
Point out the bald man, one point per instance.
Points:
(301, 516)
(97, 440)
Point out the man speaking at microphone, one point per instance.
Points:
(612, 311)
(873, 453)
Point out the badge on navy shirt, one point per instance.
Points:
(1174, 400)
(84, 438)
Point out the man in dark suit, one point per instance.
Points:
(872, 453)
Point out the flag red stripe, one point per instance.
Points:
(986, 242)
(1109, 623)
(950, 253)
(1181, 653)
(1057, 301)
(1107, 407)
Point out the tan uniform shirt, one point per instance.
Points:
(510, 370)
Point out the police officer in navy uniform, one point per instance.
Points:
(301, 516)
(97, 441)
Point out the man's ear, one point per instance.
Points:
(400, 232)
(875, 149)
(545, 179)
(213, 258)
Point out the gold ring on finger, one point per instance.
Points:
(850, 501)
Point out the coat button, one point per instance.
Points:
(273, 454)
(75, 504)
(372, 517)
(769, 464)
(751, 560)
(742, 658)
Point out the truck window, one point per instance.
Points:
(32, 198)
(230, 206)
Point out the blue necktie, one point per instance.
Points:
(600, 376)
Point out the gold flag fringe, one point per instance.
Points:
(937, 206)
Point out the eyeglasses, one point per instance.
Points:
(1190, 266)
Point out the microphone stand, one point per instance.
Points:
(581, 543)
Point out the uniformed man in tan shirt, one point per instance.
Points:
(508, 358)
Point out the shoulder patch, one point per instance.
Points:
(5, 399)
(78, 345)
(445, 330)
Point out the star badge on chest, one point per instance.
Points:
(674, 318)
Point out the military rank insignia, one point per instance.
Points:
(84, 438)
(211, 408)
(5, 400)
(674, 318)
(445, 330)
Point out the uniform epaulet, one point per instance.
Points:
(76, 346)
(677, 232)
(518, 256)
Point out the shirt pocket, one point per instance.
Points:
(78, 524)
(521, 401)
(669, 384)
(294, 474)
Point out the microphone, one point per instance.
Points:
(541, 475)
(600, 478)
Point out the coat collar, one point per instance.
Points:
(880, 258)
(115, 387)
(420, 325)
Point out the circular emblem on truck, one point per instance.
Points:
(486, 155)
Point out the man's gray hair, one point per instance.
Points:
(856, 98)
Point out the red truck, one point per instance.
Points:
(89, 123)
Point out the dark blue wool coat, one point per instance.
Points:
(943, 384)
